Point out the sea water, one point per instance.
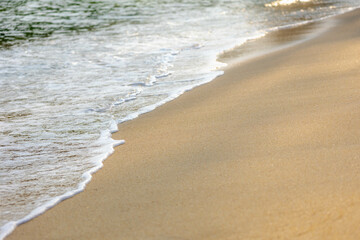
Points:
(70, 71)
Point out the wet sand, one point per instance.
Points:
(269, 150)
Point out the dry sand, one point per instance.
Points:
(269, 150)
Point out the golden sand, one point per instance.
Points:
(269, 150)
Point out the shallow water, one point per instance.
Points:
(70, 71)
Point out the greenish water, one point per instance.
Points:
(29, 19)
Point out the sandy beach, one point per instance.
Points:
(269, 150)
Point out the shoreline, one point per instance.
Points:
(273, 40)
(129, 126)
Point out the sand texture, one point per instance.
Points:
(269, 150)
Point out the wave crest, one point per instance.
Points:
(278, 3)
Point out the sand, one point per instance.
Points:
(269, 150)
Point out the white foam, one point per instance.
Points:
(106, 135)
